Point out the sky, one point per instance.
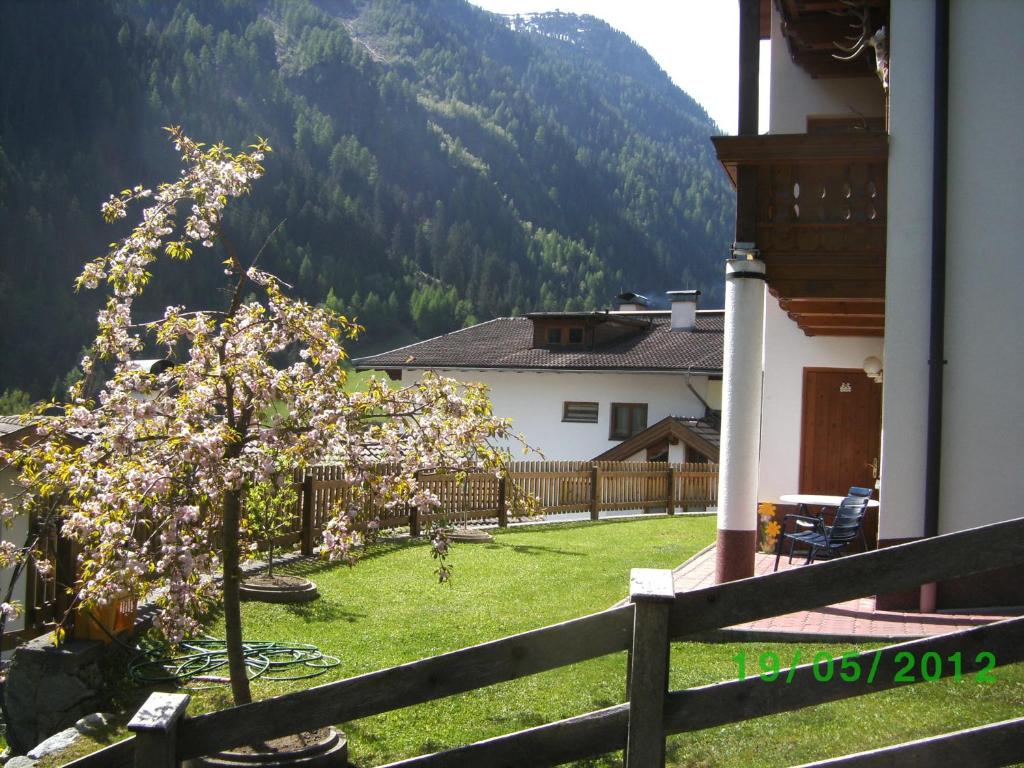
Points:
(694, 41)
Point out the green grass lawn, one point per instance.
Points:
(389, 609)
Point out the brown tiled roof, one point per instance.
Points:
(507, 342)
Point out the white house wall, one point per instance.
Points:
(787, 352)
(983, 425)
(794, 95)
(533, 400)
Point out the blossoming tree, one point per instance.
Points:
(154, 497)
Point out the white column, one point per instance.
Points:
(741, 419)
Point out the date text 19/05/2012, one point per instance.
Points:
(872, 666)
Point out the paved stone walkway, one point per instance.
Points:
(848, 621)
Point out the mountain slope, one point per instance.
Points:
(433, 163)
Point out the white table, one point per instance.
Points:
(805, 500)
(817, 500)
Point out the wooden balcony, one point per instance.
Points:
(820, 213)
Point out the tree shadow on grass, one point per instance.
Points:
(294, 564)
(321, 610)
(554, 525)
(532, 549)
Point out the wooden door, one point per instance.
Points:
(841, 432)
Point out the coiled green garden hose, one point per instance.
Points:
(206, 660)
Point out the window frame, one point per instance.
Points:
(566, 404)
(631, 410)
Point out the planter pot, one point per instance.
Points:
(325, 748)
(105, 622)
(279, 589)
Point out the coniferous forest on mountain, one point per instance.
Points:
(434, 165)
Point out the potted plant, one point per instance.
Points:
(268, 511)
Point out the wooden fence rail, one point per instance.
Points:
(559, 487)
(646, 626)
(414, 683)
(994, 744)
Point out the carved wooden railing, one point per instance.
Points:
(821, 214)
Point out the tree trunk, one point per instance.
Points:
(232, 600)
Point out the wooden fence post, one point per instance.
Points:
(671, 490)
(307, 515)
(156, 730)
(652, 593)
(595, 492)
(502, 501)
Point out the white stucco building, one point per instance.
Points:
(578, 384)
(883, 208)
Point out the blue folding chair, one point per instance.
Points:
(821, 539)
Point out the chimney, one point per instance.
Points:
(684, 309)
(632, 302)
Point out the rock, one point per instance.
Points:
(49, 689)
(56, 743)
(94, 723)
(20, 762)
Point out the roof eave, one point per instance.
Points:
(537, 368)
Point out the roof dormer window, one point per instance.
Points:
(577, 331)
(564, 336)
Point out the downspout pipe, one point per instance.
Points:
(936, 349)
(707, 408)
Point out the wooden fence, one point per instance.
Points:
(655, 617)
(560, 487)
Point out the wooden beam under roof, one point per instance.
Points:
(836, 317)
(837, 321)
(851, 331)
(831, 307)
(828, 288)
